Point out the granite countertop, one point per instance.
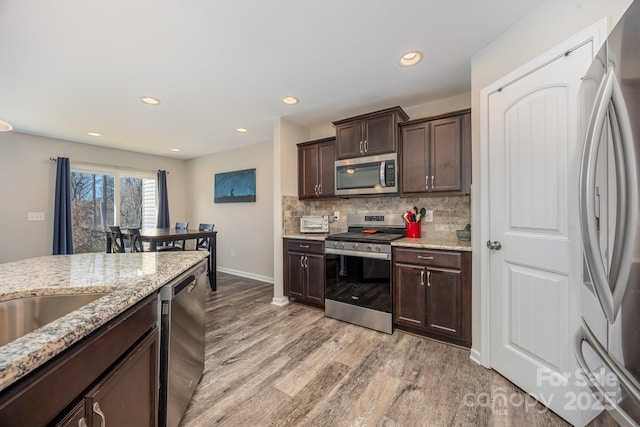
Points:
(128, 278)
(431, 243)
(452, 244)
(310, 236)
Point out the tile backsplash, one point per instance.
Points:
(449, 213)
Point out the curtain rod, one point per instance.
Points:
(53, 159)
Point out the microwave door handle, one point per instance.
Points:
(383, 181)
(627, 195)
(588, 225)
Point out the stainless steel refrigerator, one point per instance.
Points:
(608, 345)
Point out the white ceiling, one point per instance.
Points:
(69, 67)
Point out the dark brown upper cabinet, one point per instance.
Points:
(436, 155)
(315, 168)
(369, 134)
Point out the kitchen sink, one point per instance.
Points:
(20, 316)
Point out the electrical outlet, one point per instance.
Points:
(428, 216)
(336, 215)
(35, 216)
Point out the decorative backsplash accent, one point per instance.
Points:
(449, 213)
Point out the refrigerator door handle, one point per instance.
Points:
(585, 334)
(609, 100)
(627, 195)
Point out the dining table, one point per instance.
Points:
(157, 236)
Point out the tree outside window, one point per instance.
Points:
(97, 199)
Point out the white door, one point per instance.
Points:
(533, 159)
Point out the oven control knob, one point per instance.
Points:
(369, 248)
(355, 246)
(342, 245)
(378, 248)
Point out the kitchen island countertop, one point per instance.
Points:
(128, 279)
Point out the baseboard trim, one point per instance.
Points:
(280, 301)
(476, 357)
(245, 274)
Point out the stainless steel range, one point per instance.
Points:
(358, 270)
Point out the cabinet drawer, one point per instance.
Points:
(306, 246)
(428, 258)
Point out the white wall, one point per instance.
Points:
(551, 23)
(285, 183)
(441, 106)
(27, 184)
(245, 238)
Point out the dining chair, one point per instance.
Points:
(203, 242)
(176, 245)
(180, 244)
(117, 240)
(135, 241)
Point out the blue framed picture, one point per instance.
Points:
(236, 186)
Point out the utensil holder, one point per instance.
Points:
(413, 230)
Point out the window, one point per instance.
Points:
(100, 196)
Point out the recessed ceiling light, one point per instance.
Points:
(290, 100)
(149, 100)
(93, 134)
(175, 150)
(410, 58)
(242, 130)
(5, 127)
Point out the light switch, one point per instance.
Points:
(35, 216)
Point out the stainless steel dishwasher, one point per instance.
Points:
(182, 325)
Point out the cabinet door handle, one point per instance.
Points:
(302, 261)
(319, 189)
(426, 182)
(315, 189)
(366, 145)
(425, 257)
(422, 277)
(361, 150)
(306, 262)
(82, 422)
(97, 410)
(433, 182)
(304, 246)
(428, 278)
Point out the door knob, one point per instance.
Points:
(495, 246)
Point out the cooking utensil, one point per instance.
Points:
(423, 212)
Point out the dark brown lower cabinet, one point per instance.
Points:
(127, 395)
(304, 271)
(432, 293)
(112, 372)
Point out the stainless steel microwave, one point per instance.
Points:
(367, 175)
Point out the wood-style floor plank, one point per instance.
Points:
(291, 366)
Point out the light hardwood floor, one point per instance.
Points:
(288, 366)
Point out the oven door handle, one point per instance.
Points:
(373, 255)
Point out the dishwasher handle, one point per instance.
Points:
(186, 282)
